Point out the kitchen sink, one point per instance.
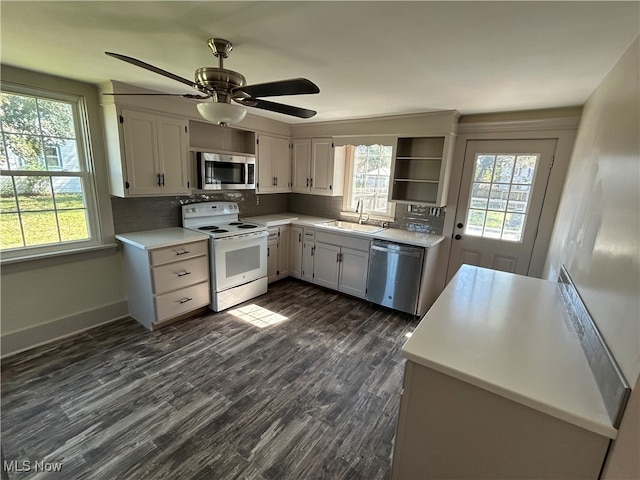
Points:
(352, 227)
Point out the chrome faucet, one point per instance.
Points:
(359, 209)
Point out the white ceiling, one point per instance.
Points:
(368, 58)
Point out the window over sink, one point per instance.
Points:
(368, 164)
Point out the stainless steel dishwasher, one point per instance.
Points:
(394, 275)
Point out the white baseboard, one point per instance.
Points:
(30, 337)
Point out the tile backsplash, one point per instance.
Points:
(149, 213)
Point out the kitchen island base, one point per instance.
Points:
(450, 429)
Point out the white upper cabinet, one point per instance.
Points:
(274, 165)
(318, 167)
(147, 153)
(300, 165)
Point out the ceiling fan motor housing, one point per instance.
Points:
(220, 80)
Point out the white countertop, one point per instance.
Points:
(164, 237)
(511, 335)
(391, 234)
(411, 238)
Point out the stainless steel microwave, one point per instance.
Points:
(217, 171)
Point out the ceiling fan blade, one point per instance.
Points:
(278, 107)
(185, 95)
(293, 86)
(151, 68)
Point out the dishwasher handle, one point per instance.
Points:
(399, 248)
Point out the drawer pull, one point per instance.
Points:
(183, 252)
(182, 274)
(185, 300)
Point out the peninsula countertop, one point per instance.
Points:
(510, 334)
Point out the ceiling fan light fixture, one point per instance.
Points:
(222, 113)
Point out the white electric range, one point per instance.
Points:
(237, 252)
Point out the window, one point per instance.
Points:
(368, 182)
(47, 199)
(500, 192)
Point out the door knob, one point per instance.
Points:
(458, 237)
(459, 225)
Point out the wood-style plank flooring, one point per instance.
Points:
(214, 397)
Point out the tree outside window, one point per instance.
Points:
(370, 179)
(43, 179)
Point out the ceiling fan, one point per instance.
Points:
(226, 86)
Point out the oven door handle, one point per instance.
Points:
(242, 237)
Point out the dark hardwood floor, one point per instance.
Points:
(214, 397)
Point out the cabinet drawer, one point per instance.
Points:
(176, 275)
(309, 234)
(178, 252)
(182, 301)
(343, 240)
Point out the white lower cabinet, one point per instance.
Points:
(295, 250)
(167, 282)
(326, 265)
(448, 428)
(307, 252)
(341, 262)
(278, 253)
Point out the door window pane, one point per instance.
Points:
(479, 195)
(498, 197)
(504, 169)
(500, 194)
(484, 168)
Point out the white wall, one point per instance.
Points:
(597, 235)
(44, 299)
(597, 229)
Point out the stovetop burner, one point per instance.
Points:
(209, 227)
(246, 226)
(221, 230)
(235, 223)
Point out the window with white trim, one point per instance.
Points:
(47, 185)
(368, 179)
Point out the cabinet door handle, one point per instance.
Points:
(299, 237)
(312, 250)
(267, 251)
(307, 182)
(182, 274)
(337, 257)
(185, 300)
(162, 176)
(159, 181)
(183, 252)
(276, 181)
(311, 183)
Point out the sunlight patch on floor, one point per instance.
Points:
(257, 316)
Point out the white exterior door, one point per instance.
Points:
(501, 197)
